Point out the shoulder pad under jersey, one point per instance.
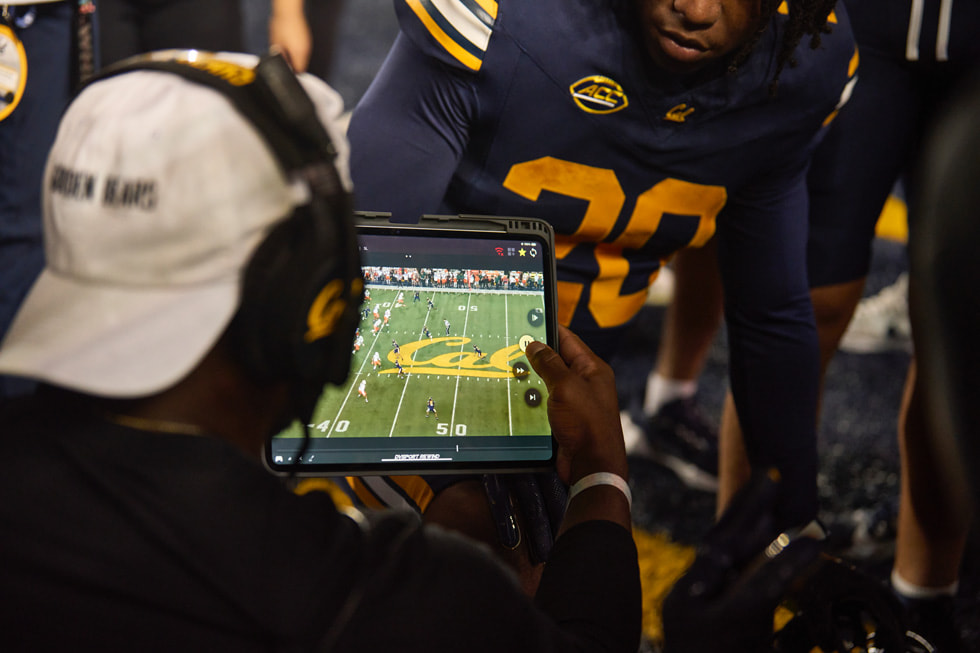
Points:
(783, 9)
(827, 73)
(455, 32)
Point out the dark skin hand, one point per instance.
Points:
(584, 413)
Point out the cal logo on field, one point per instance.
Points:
(598, 94)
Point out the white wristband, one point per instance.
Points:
(602, 478)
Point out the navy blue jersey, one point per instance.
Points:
(560, 117)
(552, 109)
(917, 30)
(914, 55)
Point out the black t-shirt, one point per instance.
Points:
(118, 539)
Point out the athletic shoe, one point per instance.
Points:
(881, 322)
(679, 438)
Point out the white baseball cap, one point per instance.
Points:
(156, 192)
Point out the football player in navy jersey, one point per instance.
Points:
(636, 128)
(914, 55)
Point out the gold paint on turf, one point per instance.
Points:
(662, 562)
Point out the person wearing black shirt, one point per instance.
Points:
(136, 513)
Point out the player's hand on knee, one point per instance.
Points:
(583, 407)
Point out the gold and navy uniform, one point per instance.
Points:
(552, 109)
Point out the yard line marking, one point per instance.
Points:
(401, 399)
(452, 418)
(357, 375)
(336, 418)
(340, 410)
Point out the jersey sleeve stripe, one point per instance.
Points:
(376, 493)
(396, 492)
(416, 488)
(456, 28)
(484, 10)
(468, 18)
(852, 68)
(363, 494)
(330, 486)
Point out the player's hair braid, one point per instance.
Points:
(806, 17)
(766, 9)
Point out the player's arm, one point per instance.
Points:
(773, 352)
(408, 132)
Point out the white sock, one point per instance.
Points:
(661, 390)
(912, 591)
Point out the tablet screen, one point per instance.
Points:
(439, 381)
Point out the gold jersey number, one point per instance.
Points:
(604, 194)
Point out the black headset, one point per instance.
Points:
(302, 288)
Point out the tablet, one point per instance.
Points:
(439, 382)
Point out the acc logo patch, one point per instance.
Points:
(598, 94)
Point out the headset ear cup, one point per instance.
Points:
(280, 330)
(322, 353)
(262, 353)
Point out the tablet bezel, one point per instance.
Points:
(399, 460)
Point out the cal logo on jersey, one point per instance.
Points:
(598, 94)
(679, 113)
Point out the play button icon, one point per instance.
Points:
(535, 317)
